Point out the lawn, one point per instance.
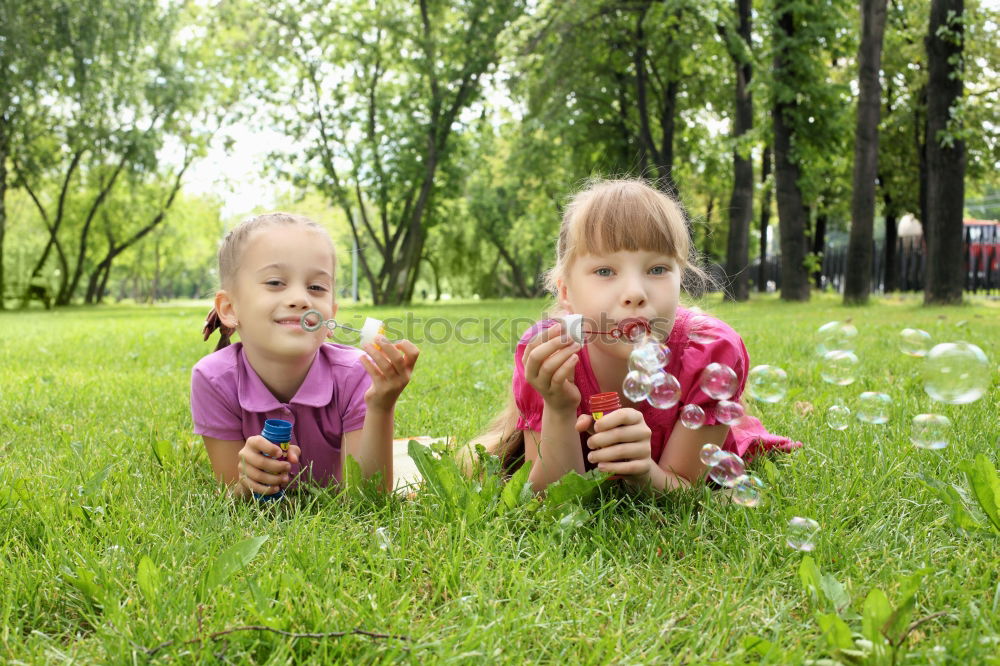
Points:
(117, 546)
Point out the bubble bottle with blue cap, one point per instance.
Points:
(276, 431)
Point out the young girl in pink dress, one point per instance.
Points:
(622, 251)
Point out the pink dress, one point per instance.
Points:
(715, 342)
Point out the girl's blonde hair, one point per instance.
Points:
(606, 216)
(231, 252)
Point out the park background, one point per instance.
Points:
(438, 141)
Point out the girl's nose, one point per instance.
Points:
(634, 295)
(299, 298)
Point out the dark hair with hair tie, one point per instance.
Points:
(212, 322)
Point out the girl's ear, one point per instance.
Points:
(562, 295)
(224, 306)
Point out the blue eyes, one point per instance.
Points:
(312, 287)
(655, 270)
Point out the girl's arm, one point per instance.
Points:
(680, 463)
(243, 467)
(390, 366)
(371, 446)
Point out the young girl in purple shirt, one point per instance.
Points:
(274, 268)
(622, 251)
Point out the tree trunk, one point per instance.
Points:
(945, 156)
(4, 150)
(818, 245)
(741, 203)
(791, 210)
(765, 218)
(857, 281)
(891, 238)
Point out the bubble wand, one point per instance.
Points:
(312, 320)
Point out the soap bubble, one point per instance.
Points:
(708, 453)
(729, 412)
(835, 336)
(665, 391)
(873, 407)
(802, 533)
(767, 383)
(718, 381)
(747, 491)
(956, 373)
(649, 357)
(838, 417)
(692, 417)
(636, 386)
(727, 469)
(839, 367)
(382, 535)
(930, 431)
(914, 342)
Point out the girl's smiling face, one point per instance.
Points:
(283, 272)
(608, 288)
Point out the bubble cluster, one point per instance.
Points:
(802, 533)
(649, 357)
(729, 412)
(767, 383)
(727, 469)
(665, 390)
(838, 367)
(930, 431)
(874, 407)
(636, 386)
(956, 373)
(708, 453)
(692, 417)
(747, 491)
(718, 381)
(835, 336)
(914, 342)
(838, 417)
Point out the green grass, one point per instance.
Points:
(86, 395)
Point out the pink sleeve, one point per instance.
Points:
(529, 402)
(215, 411)
(352, 399)
(718, 343)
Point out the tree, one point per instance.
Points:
(945, 154)
(378, 93)
(741, 202)
(859, 255)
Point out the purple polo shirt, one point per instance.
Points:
(230, 402)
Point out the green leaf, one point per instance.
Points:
(986, 488)
(899, 620)
(163, 451)
(148, 577)
(435, 473)
(874, 615)
(518, 489)
(232, 560)
(835, 631)
(86, 581)
(810, 576)
(961, 517)
(573, 487)
(93, 485)
(835, 592)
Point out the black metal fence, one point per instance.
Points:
(981, 266)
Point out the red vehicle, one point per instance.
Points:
(983, 238)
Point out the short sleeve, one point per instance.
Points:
(529, 402)
(352, 399)
(716, 342)
(215, 407)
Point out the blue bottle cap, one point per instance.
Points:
(277, 430)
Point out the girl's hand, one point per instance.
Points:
(265, 474)
(390, 366)
(620, 444)
(549, 363)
